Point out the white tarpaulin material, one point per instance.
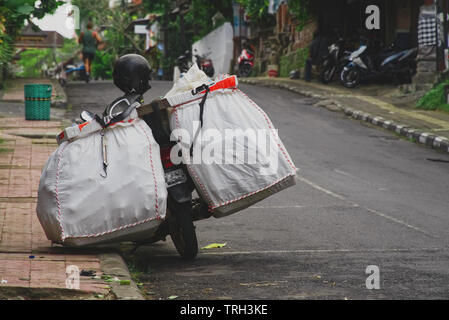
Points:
(79, 203)
(218, 45)
(237, 157)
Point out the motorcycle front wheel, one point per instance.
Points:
(327, 74)
(183, 234)
(245, 70)
(350, 77)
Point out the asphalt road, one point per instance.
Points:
(363, 197)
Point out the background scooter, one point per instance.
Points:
(204, 63)
(68, 69)
(245, 62)
(334, 61)
(386, 63)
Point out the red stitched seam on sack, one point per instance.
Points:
(211, 206)
(251, 193)
(152, 171)
(60, 154)
(115, 229)
(135, 223)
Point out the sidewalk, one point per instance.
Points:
(14, 91)
(30, 267)
(379, 105)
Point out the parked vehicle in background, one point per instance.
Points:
(184, 62)
(334, 61)
(390, 63)
(69, 70)
(204, 63)
(245, 62)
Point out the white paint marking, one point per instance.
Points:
(319, 251)
(314, 185)
(380, 214)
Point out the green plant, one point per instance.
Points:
(13, 14)
(293, 61)
(301, 10)
(102, 65)
(435, 99)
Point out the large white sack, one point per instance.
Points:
(231, 185)
(76, 206)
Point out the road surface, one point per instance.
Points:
(364, 197)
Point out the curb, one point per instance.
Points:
(424, 138)
(60, 100)
(113, 264)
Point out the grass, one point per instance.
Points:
(435, 99)
(293, 61)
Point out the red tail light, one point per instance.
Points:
(165, 157)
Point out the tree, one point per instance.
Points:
(13, 14)
(113, 23)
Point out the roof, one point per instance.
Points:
(36, 38)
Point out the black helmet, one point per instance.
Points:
(132, 74)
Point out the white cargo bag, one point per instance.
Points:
(237, 157)
(80, 203)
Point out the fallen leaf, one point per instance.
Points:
(215, 245)
(172, 297)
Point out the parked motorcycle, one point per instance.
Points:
(68, 69)
(245, 62)
(184, 62)
(388, 63)
(182, 209)
(334, 61)
(204, 63)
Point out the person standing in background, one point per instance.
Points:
(89, 40)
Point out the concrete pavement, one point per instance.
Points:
(364, 197)
(30, 266)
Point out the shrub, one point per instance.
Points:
(293, 61)
(435, 99)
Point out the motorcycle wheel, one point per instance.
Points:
(350, 78)
(327, 74)
(62, 82)
(183, 235)
(245, 70)
(209, 72)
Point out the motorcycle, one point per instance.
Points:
(204, 63)
(389, 63)
(182, 208)
(183, 62)
(67, 69)
(334, 62)
(245, 62)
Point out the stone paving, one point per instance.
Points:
(27, 258)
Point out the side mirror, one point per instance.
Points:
(87, 116)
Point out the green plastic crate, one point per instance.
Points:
(37, 101)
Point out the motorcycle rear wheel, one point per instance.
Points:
(183, 234)
(350, 78)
